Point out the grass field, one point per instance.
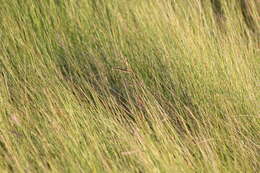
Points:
(128, 86)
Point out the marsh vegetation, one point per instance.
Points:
(129, 86)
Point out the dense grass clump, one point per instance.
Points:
(129, 86)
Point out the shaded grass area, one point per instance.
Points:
(128, 86)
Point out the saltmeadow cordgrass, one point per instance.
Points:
(128, 86)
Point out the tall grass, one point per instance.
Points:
(128, 86)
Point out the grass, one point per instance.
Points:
(128, 86)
